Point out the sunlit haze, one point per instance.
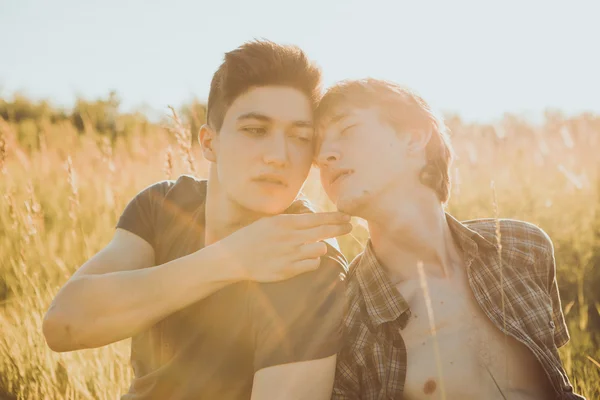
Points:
(477, 58)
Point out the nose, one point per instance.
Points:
(276, 153)
(327, 156)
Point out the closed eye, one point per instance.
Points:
(347, 129)
(302, 138)
(255, 130)
(302, 135)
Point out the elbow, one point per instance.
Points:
(63, 325)
(57, 328)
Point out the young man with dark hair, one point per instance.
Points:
(437, 308)
(196, 271)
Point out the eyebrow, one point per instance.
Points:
(253, 115)
(303, 124)
(337, 118)
(265, 118)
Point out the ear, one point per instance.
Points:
(208, 140)
(418, 140)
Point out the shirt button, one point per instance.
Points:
(552, 324)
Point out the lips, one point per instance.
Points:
(340, 174)
(271, 178)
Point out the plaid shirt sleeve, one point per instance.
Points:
(561, 333)
(347, 385)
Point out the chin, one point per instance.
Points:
(270, 205)
(267, 207)
(351, 204)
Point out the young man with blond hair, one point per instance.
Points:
(494, 304)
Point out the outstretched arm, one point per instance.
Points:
(119, 292)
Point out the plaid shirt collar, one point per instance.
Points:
(383, 301)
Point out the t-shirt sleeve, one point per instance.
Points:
(301, 318)
(141, 213)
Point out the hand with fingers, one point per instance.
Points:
(283, 246)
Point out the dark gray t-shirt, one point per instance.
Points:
(211, 349)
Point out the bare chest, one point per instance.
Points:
(453, 347)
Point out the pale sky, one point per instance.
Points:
(477, 58)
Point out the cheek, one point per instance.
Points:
(386, 154)
(238, 152)
(301, 157)
(234, 161)
(359, 155)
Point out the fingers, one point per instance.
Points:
(324, 232)
(311, 220)
(309, 264)
(311, 250)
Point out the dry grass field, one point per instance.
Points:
(63, 188)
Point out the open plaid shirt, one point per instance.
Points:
(372, 364)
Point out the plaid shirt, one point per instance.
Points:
(372, 364)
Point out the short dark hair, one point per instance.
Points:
(403, 109)
(260, 63)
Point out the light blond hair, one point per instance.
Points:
(405, 111)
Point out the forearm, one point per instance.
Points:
(296, 381)
(95, 310)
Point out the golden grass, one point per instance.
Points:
(60, 204)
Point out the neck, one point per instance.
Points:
(223, 216)
(405, 235)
